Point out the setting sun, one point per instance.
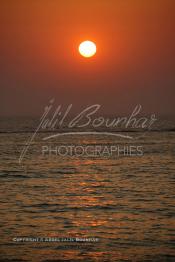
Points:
(87, 49)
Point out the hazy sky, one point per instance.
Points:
(134, 64)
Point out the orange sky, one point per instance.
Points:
(134, 62)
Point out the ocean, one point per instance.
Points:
(86, 197)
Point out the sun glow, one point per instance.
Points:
(87, 49)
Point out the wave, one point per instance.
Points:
(56, 131)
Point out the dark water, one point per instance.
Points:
(126, 201)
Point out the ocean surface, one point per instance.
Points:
(124, 198)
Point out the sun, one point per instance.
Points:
(87, 49)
